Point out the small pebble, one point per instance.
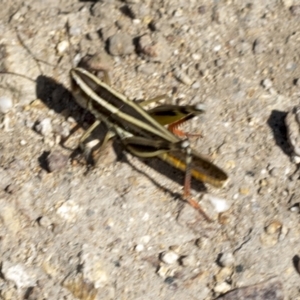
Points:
(287, 3)
(295, 10)
(139, 248)
(295, 208)
(147, 69)
(6, 104)
(120, 44)
(68, 211)
(169, 257)
(196, 56)
(183, 77)
(267, 83)
(18, 274)
(155, 50)
(203, 242)
(244, 191)
(222, 288)
(259, 46)
(217, 48)
(189, 261)
(224, 275)
(274, 227)
(226, 259)
(163, 271)
(44, 127)
(44, 221)
(56, 161)
(220, 204)
(62, 47)
(196, 85)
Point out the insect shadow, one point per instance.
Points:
(59, 99)
(277, 124)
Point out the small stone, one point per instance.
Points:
(274, 172)
(274, 227)
(295, 10)
(93, 267)
(267, 83)
(220, 204)
(44, 127)
(69, 211)
(263, 182)
(244, 191)
(196, 85)
(222, 288)
(287, 3)
(169, 257)
(203, 242)
(189, 261)
(5, 178)
(155, 50)
(163, 271)
(291, 66)
(139, 248)
(120, 44)
(292, 122)
(259, 46)
(6, 104)
(196, 56)
(217, 48)
(295, 208)
(145, 239)
(62, 47)
(45, 222)
(183, 77)
(147, 69)
(56, 161)
(96, 62)
(226, 259)
(178, 12)
(18, 274)
(224, 275)
(268, 240)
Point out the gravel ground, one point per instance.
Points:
(120, 230)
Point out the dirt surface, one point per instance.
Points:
(120, 230)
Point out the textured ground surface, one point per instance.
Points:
(120, 231)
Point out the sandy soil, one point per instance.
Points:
(120, 230)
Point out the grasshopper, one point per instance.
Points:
(142, 132)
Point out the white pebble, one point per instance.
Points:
(217, 48)
(222, 288)
(18, 274)
(220, 204)
(169, 257)
(226, 260)
(6, 104)
(68, 211)
(62, 47)
(267, 83)
(196, 56)
(45, 127)
(139, 248)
